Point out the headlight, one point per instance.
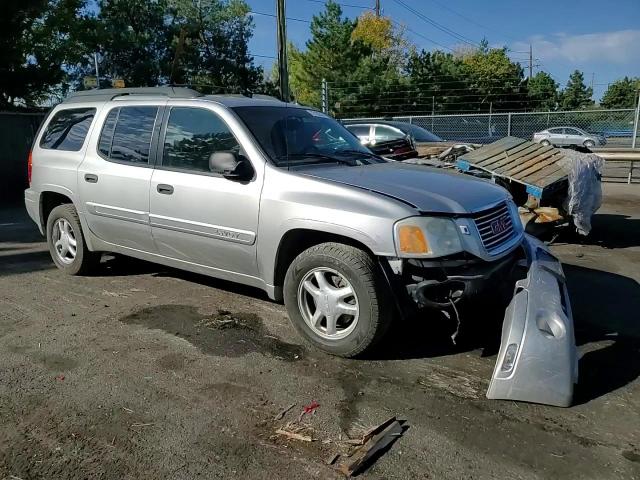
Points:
(418, 237)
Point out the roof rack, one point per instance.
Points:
(111, 93)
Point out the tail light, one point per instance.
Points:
(29, 166)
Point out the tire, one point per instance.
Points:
(545, 143)
(83, 261)
(589, 143)
(347, 267)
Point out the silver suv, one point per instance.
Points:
(284, 198)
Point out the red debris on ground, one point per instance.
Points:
(311, 408)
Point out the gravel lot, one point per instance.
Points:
(143, 372)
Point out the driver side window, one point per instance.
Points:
(192, 135)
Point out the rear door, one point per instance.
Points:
(363, 132)
(385, 133)
(115, 175)
(198, 216)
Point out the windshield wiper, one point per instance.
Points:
(360, 152)
(320, 156)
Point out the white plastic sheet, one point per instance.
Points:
(585, 189)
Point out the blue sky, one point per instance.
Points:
(598, 37)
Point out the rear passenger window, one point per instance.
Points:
(126, 134)
(68, 129)
(193, 134)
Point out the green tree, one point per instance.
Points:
(622, 93)
(494, 81)
(37, 40)
(215, 52)
(134, 38)
(542, 92)
(436, 81)
(576, 94)
(330, 54)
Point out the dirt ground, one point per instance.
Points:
(142, 372)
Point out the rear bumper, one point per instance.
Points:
(538, 360)
(32, 204)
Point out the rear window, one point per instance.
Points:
(126, 134)
(68, 129)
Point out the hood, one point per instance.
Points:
(430, 190)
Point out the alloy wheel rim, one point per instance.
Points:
(64, 241)
(328, 303)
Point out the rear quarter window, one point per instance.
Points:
(68, 129)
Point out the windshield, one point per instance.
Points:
(296, 135)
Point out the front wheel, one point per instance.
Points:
(589, 143)
(337, 299)
(545, 143)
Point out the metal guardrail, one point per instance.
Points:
(620, 155)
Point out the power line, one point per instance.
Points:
(323, 2)
(419, 35)
(470, 20)
(253, 12)
(439, 26)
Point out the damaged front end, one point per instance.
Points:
(538, 360)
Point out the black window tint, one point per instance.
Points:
(68, 129)
(193, 134)
(106, 136)
(132, 134)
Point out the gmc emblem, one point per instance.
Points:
(499, 225)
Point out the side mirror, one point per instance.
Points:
(230, 165)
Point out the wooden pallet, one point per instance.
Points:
(535, 166)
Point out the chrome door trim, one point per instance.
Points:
(203, 229)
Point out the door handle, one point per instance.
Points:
(91, 178)
(164, 189)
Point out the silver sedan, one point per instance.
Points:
(566, 136)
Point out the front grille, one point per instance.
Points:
(495, 227)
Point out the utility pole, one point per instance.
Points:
(325, 96)
(95, 61)
(530, 62)
(377, 8)
(593, 76)
(283, 72)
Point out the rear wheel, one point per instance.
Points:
(66, 243)
(337, 300)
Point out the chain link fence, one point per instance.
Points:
(617, 126)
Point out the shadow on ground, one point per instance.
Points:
(605, 309)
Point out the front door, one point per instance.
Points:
(114, 178)
(197, 216)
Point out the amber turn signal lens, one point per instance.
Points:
(412, 240)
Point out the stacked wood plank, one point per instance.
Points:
(534, 165)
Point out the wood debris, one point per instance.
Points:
(377, 439)
(284, 412)
(294, 435)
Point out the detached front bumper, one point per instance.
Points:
(538, 360)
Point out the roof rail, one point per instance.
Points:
(111, 93)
